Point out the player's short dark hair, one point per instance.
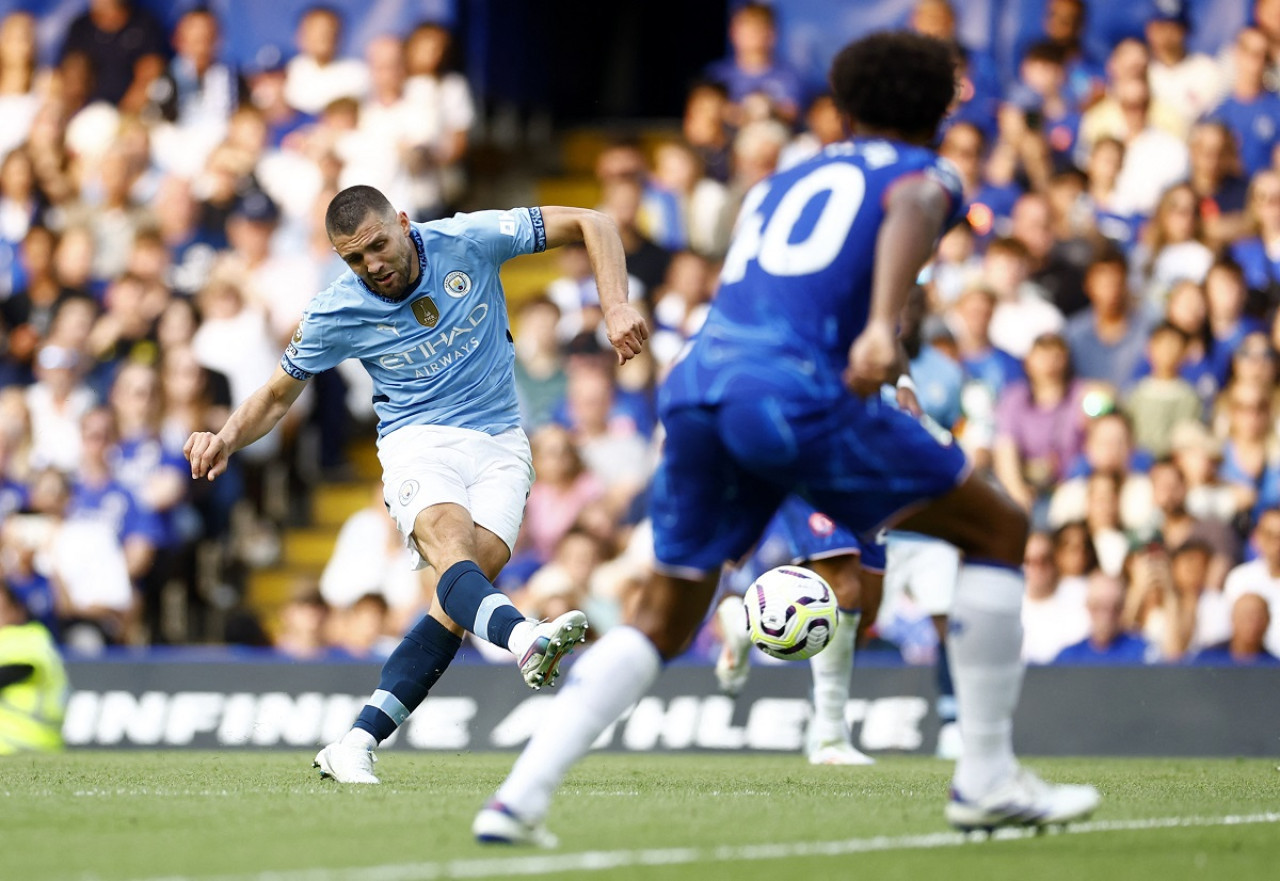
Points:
(350, 207)
(897, 81)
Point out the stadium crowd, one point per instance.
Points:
(1100, 334)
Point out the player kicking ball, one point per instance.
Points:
(424, 312)
(798, 535)
(780, 393)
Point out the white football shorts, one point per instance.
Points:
(926, 568)
(489, 475)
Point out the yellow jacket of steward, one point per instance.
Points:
(31, 711)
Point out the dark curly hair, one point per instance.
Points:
(897, 82)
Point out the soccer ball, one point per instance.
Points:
(791, 613)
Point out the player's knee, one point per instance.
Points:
(1007, 538)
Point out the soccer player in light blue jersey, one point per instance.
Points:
(760, 406)
(424, 312)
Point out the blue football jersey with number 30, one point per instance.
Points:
(795, 289)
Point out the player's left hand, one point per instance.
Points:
(873, 359)
(907, 400)
(627, 330)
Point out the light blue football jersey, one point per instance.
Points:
(443, 355)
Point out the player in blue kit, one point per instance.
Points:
(799, 535)
(424, 312)
(822, 258)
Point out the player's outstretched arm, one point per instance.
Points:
(209, 452)
(626, 326)
(913, 221)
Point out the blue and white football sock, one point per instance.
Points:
(985, 647)
(416, 664)
(470, 599)
(611, 676)
(832, 671)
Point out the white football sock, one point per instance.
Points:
(521, 638)
(832, 670)
(985, 646)
(611, 676)
(360, 738)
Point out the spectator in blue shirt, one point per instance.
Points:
(96, 495)
(1064, 24)
(1256, 254)
(1226, 298)
(1107, 339)
(1107, 642)
(982, 361)
(1250, 111)
(978, 91)
(754, 68)
(1250, 618)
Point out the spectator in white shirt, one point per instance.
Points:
(1154, 159)
(316, 76)
(1190, 83)
(370, 557)
(444, 112)
(57, 401)
(1023, 312)
(1261, 576)
(1053, 613)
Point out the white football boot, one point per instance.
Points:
(732, 666)
(497, 825)
(1023, 800)
(840, 752)
(346, 764)
(552, 641)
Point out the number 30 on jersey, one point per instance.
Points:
(768, 239)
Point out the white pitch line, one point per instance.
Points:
(536, 864)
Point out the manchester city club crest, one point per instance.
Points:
(408, 490)
(424, 309)
(457, 284)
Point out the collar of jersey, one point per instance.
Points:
(422, 270)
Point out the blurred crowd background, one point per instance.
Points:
(1100, 334)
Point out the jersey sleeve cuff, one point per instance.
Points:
(293, 370)
(539, 230)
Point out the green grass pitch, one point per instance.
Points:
(183, 816)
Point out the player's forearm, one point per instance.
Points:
(608, 259)
(253, 419)
(906, 242)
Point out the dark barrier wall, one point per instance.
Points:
(1064, 711)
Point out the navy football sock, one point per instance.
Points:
(468, 598)
(420, 659)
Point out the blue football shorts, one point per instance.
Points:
(799, 533)
(727, 468)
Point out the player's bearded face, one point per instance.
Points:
(382, 254)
